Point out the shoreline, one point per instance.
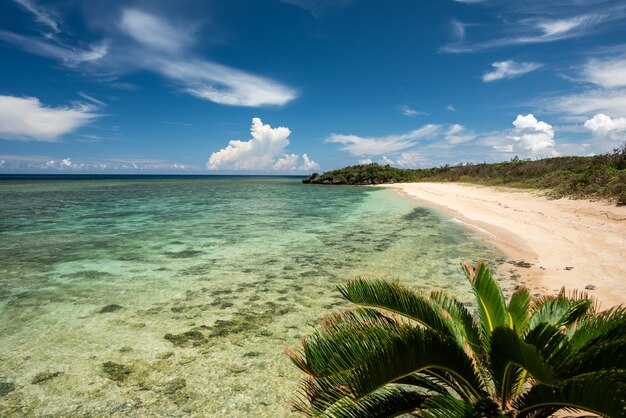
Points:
(569, 243)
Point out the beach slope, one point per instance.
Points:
(573, 243)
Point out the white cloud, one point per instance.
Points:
(608, 97)
(561, 27)
(26, 119)
(411, 159)
(265, 151)
(287, 163)
(69, 56)
(410, 112)
(167, 55)
(605, 126)
(153, 32)
(589, 102)
(224, 85)
(2, 163)
(46, 163)
(609, 73)
(139, 40)
(318, 8)
(42, 15)
(386, 161)
(308, 164)
(451, 108)
(457, 134)
(533, 135)
(365, 161)
(364, 146)
(533, 30)
(509, 69)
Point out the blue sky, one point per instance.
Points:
(295, 86)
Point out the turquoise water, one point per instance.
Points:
(177, 296)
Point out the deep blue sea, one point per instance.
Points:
(176, 295)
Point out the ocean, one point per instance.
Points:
(177, 295)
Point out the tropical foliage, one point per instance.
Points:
(400, 351)
(596, 177)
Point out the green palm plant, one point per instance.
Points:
(399, 351)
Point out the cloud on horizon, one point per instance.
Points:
(265, 151)
(378, 146)
(27, 119)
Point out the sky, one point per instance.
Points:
(297, 86)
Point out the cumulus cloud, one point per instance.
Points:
(287, 163)
(365, 161)
(411, 159)
(378, 146)
(265, 151)
(533, 135)
(308, 164)
(509, 69)
(605, 126)
(26, 119)
(45, 163)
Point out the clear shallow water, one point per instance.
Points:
(203, 281)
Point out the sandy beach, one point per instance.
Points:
(573, 243)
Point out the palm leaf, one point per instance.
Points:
(386, 402)
(603, 395)
(559, 310)
(343, 341)
(510, 355)
(605, 326)
(462, 319)
(519, 309)
(396, 298)
(491, 304)
(553, 345)
(407, 352)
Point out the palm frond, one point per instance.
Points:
(605, 326)
(519, 309)
(492, 309)
(553, 344)
(344, 340)
(603, 395)
(510, 355)
(386, 402)
(405, 353)
(560, 310)
(461, 317)
(394, 297)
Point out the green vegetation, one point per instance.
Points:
(597, 177)
(399, 351)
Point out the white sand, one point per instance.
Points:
(589, 237)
